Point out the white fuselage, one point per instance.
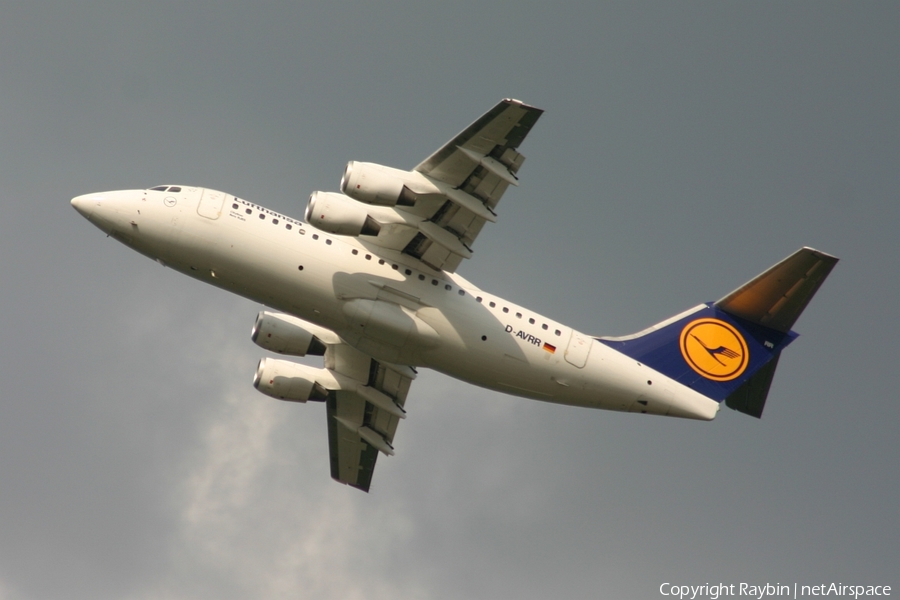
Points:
(384, 303)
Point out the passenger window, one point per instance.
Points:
(506, 310)
(434, 282)
(558, 332)
(262, 216)
(448, 287)
(249, 211)
(234, 206)
(531, 321)
(462, 292)
(395, 267)
(408, 272)
(274, 221)
(493, 304)
(478, 299)
(368, 257)
(327, 242)
(354, 252)
(518, 315)
(544, 326)
(288, 226)
(302, 231)
(315, 236)
(421, 277)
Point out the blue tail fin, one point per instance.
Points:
(728, 350)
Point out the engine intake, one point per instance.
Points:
(285, 334)
(384, 186)
(339, 214)
(288, 380)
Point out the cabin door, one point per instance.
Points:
(211, 204)
(578, 349)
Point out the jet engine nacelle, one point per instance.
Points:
(384, 186)
(288, 380)
(339, 214)
(285, 334)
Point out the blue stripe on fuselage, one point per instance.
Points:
(661, 350)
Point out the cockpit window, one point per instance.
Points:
(174, 189)
(159, 188)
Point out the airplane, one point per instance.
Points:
(368, 281)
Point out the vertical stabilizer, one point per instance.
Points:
(776, 298)
(728, 350)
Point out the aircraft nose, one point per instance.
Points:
(83, 204)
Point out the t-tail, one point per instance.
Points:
(728, 350)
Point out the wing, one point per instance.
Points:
(478, 164)
(362, 421)
(434, 212)
(486, 151)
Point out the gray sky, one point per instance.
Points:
(685, 148)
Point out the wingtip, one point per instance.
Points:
(821, 254)
(522, 104)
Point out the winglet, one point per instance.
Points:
(776, 298)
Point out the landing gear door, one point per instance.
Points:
(578, 349)
(211, 203)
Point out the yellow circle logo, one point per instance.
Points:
(714, 349)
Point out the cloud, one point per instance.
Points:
(252, 510)
(259, 520)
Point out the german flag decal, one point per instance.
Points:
(549, 348)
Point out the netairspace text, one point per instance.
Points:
(714, 591)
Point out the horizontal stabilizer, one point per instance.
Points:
(750, 398)
(776, 298)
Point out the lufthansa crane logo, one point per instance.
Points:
(714, 349)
